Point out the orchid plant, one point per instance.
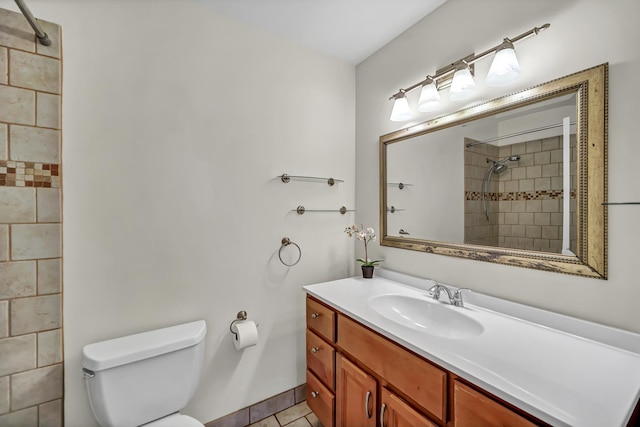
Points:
(366, 235)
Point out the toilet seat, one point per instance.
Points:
(175, 420)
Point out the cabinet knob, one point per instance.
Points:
(315, 315)
(315, 394)
(315, 349)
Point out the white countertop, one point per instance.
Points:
(562, 378)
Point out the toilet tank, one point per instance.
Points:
(139, 378)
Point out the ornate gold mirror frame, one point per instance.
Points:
(591, 89)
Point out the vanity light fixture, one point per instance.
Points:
(458, 76)
(429, 96)
(504, 68)
(462, 86)
(401, 111)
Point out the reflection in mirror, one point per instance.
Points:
(509, 167)
(433, 212)
(524, 174)
(515, 193)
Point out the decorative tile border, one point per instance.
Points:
(29, 174)
(521, 195)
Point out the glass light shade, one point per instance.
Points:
(462, 87)
(504, 68)
(401, 111)
(429, 98)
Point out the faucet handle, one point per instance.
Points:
(457, 297)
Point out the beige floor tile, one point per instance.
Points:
(267, 422)
(293, 413)
(313, 420)
(300, 422)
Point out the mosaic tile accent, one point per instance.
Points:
(29, 174)
(521, 195)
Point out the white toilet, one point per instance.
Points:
(145, 379)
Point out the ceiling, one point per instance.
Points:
(350, 30)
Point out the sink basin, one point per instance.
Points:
(428, 316)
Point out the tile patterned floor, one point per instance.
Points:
(296, 416)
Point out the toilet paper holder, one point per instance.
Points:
(241, 316)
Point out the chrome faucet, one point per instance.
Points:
(436, 289)
(455, 298)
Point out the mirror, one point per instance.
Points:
(519, 180)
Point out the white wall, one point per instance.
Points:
(176, 122)
(583, 33)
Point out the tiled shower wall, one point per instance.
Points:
(31, 380)
(478, 230)
(525, 202)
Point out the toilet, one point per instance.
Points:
(145, 379)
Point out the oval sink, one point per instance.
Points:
(434, 318)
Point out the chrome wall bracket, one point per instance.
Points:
(286, 178)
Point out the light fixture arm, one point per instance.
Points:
(400, 94)
(470, 60)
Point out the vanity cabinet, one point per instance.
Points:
(358, 378)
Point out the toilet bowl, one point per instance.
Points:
(145, 379)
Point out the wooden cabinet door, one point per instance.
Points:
(394, 412)
(474, 409)
(355, 395)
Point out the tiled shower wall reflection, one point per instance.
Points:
(31, 380)
(525, 202)
(478, 229)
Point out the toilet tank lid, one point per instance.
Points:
(119, 351)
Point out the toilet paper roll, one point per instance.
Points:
(246, 334)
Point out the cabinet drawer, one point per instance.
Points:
(474, 409)
(320, 400)
(321, 320)
(321, 359)
(418, 380)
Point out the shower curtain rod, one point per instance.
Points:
(524, 132)
(41, 35)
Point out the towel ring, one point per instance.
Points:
(286, 242)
